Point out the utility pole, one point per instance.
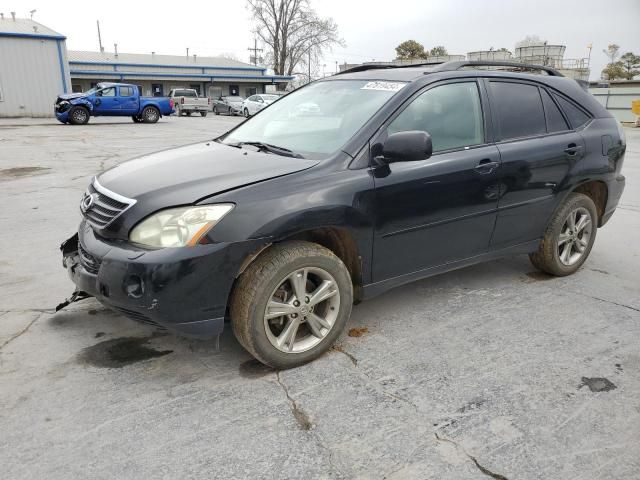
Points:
(255, 51)
(309, 65)
(99, 37)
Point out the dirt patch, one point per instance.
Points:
(120, 352)
(19, 172)
(254, 369)
(539, 276)
(597, 384)
(358, 331)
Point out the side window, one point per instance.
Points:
(108, 92)
(252, 99)
(451, 113)
(126, 91)
(576, 116)
(555, 120)
(518, 107)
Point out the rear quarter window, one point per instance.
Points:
(518, 108)
(555, 120)
(577, 117)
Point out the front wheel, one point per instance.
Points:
(150, 115)
(246, 113)
(291, 303)
(568, 238)
(78, 116)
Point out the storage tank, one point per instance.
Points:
(493, 55)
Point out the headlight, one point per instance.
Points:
(178, 227)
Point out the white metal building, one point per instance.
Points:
(33, 68)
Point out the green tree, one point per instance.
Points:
(438, 51)
(410, 50)
(631, 65)
(614, 71)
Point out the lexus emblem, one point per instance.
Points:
(87, 202)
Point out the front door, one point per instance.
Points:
(435, 211)
(538, 150)
(106, 102)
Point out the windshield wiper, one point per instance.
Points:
(267, 147)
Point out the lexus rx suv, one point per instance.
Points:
(346, 188)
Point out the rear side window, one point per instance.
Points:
(450, 113)
(519, 110)
(576, 116)
(555, 120)
(126, 91)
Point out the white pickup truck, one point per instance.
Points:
(186, 102)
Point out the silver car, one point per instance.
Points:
(255, 103)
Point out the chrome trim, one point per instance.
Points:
(130, 202)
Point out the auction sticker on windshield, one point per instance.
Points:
(386, 86)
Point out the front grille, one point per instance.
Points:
(90, 263)
(138, 317)
(105, 207)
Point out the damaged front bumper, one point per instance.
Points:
(184, 290)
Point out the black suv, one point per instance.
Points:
(343, 189)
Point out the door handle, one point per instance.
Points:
(573, 149)
(486, 166)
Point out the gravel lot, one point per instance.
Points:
(491, 371)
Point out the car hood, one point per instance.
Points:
(71, 96)
(190, 174)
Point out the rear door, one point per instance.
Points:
(537, 150)
(435, 211)
(128, 100)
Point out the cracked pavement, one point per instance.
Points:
(479, 373)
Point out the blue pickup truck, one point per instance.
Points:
(111, 99)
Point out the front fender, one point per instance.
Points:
(82, 102)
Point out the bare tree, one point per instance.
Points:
(612, 52)
(292, 32)
(530, 40)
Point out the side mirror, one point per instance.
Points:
(407, 146)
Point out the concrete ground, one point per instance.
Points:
(493, 371)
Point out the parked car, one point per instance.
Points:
(395, 175)
(111, 100)
(187, 101)
(231, 105)
(255, 103)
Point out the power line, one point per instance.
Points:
(255, 51)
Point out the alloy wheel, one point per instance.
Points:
(574, 236)
(302, 310)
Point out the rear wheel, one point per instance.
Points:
(291, 304)
(568, 238)
(188, 113)
(150, 115)
(215, 111)
(78, 116)
(204, 114)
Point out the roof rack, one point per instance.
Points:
(377, 66)
(457, 65)
(515, 66)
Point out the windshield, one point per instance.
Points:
(316, 120)
(269, 98)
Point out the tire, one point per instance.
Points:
(246, 113)
(564, 248)
(215, 111)
(78, 116)
(188, 113)
(204, 114)
(267, 278)
(150, 115)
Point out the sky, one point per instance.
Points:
(371, 29)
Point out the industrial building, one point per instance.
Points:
(157, 74)
(33, 68)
